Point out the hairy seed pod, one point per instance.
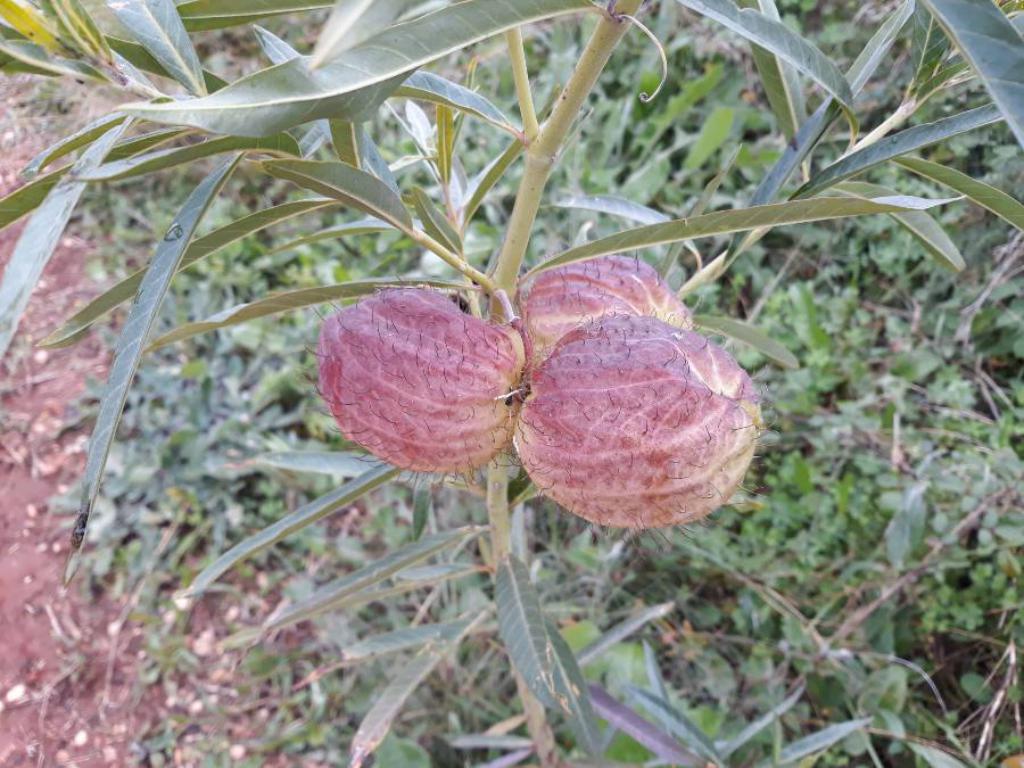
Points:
(419, 383)
(561, 299)
(633, 423)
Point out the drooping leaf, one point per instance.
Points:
(389, 702)
(994, 48)
(352, 22)
(156, 25)
(677, 724)
(73, 327)
(306, 515)
(985, 195)
(357, 81)
(56, 198)
(521, 626)
(781, 85)
(622, 630)
(781, 41)
(725, 222)
(649, 735)
(898, 144)
(343, 182)
(281, 144)
(923, 227)
(426, 86)
(725, 749)
(613, 206)
(749, 335)
(360, 227)
(80, 138)
(286, 301)
(819, 741)
(330, 595)
(130, 344)
(405, 639)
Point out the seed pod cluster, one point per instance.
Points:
(626, 417)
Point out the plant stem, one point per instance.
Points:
(543, 151)
(522, 77)
(451, 259)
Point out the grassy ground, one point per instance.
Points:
(876, 561)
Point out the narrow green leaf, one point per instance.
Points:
(56, 198)
(713, 134)
(521, 625)
(899, 144)
(994, 48)
(330, 595)
(201, 15)
(571, 692)
(819, 741)
(281, 144)
(985, 195)
(422, 504)
(29, 22)
(360, 227)
(79, 27)
(345, 140)
(613, 206)
(426, 86)
(936, 758)
(489, 741)
(357, 81)
(343, 182)
(139, 56)
(622, 630)
(334, 463)
(923, 227)
(301, 518)
(649, 735)
(36, 58)
(749, 335)
(156, 25)
(352, 22)
(435, 223)
(725, 222)
(677, 724)
(285, 301)
(776, 37)
(487, 178)
(781, 86)
(137, 327)
(80, 138)
(727, 748)
(72, 328)
(389, 702)
(404, 639)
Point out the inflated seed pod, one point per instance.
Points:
(634, 423)
(561, 299)
(419, 383)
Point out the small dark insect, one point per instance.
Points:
(461, 302)
(78, 532)
(518, 395)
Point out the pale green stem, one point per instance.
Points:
(451, 259)
(514, 38)
(887, 126)
(543, 151)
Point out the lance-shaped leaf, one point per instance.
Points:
(36, 59)
(156, 25)
(79, 28)
(334, 463)
(219, 14)
(41, 235)
(360, 581)
(649, 735)
(351, 22)
(819, 741)
(80, 138)
(571, 692)
(726, 222)
(781, 41)
(389, 702)
(677, 723)
(30, 23)
(521, 625)
(898, 144)
(132, 340)
(281, 144)
(622, 630)
(781, 86)
(726, 748)
(435, 223)
(484, 182)
(357, 81)
(994, 48)
(926, 230)
(350, 185)
(404, 639)
(361, 227)
(139, 56)
(985, 195)
(285, 301)
(73, 327)
(304, 516)
(749, 335)
(613, 206)
(426, 86)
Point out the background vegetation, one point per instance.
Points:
(838, 577)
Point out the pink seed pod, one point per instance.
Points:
(417, 382)
(633, 423)
(561, 299)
